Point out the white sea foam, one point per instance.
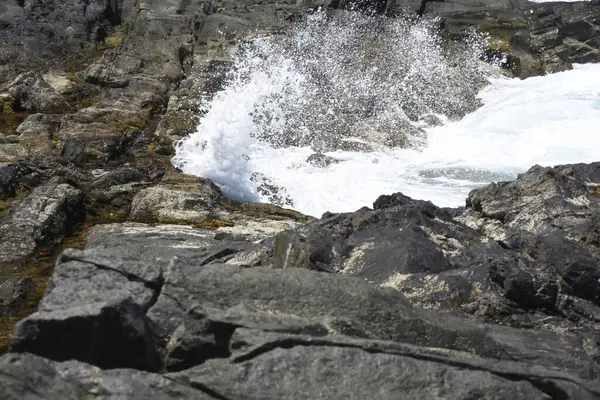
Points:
(544, 120)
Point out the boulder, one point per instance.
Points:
(49, 213)
(14, 293)
(30, 92)
(162, 204)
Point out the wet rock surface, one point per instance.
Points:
(182, 292)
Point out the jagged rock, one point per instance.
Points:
(46, 215)
(388, 7)
(551, 215)
(358, 309)
(535, 38)
(293, 300)
(542, 200)
(321, 160)
(30, 92)
(26, 376)
(109, 335)
(14, 293)
(28, 172)
(496, 270)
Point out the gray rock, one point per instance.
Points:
(550, 214)
(46, 215)
(341, 368)
(97, 277)
(14, 293)
(162, 204)
(542, 200)
(35, 33)
(29, 172)
(158, 245)
(28, 377)
(30, 92)
(108, 335)
(358, 306)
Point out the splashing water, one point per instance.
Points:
(364, 93)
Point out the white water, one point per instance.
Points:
(547, 120)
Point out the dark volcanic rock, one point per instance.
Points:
(28, 172)
(109, 335)
(550, 215)
(25, 376)
(543, 200)
(185, 300)
(341, 368)
(402, 300)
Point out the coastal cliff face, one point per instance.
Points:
(124, 278)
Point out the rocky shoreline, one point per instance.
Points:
(129, 279)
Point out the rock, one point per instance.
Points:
(388, 7)
(30, 92)
(159, 244)
(37, 134)
(165, 205)
(106, 279)
(197, 306)
(543, 200)
(26, 376)
(108, 335)
(49, 213)
(348, 306)
(14, 293)
(36, 34)
(321, 160)
(274, 366)
(28, 172)
(535, 37)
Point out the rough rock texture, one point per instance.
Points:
(535, 37)
(109, 335)
(49, 213)
(25, 376)
(14, 293)
(162, 204)
(260, 328)
(224, 300)
(523, 253)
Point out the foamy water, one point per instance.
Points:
(547, 120)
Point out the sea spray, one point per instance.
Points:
(340, 81)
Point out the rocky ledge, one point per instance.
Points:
(129, 279)
(499, 299)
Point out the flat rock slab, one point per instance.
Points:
(159, 244)
(25, 376)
